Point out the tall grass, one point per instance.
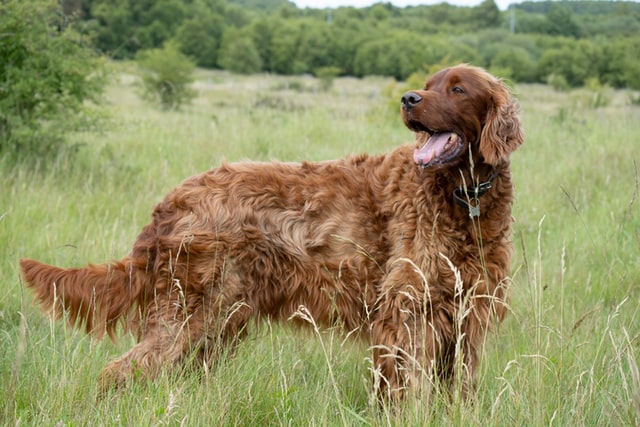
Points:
(567, 354)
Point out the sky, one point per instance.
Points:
(320, 4)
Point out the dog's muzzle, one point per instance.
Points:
(409, 100)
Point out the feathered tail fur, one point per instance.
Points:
(97, 296)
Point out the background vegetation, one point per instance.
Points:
(52, 70)
(166, 76)
(578, 40)
(567, 354)
(47, 72)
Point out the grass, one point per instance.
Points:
(567, 354)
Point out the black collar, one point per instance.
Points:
(469, 197)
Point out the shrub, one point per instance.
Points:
(558, 82)
(599, 94)
(47, 72)
(166, 76)
(327, 75)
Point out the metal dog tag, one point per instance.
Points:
(474, 208)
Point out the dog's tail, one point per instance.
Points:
(97, 296)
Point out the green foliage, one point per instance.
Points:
(515, 63)
(268, 5)
(285, 40)
(160, 19)
(599, 94)
(315, 48)
(380, 12)
(47, 73)
(199, 37)
(238, 53)
(381, 39)
(261, 31)
(401, 54)
(582, 7)
(237, 16)
(621, 63)
(327, 75)
(487, 15)
(560, 22)
(166, 76)
(114, 27)
(558, 82)
(575, 62)
(529, 23)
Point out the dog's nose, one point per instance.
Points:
(410, 100)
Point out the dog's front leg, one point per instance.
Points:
(406, 339)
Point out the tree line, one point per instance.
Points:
(575, 41)
(52, 52)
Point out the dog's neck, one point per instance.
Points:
(467, 195)
(467, 185)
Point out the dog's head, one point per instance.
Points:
(458, 107)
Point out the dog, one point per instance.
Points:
(409, 250)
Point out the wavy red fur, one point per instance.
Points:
(374, 243)
(98, 296)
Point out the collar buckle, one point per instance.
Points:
(469, 198)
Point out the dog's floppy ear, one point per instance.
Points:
(502, 133)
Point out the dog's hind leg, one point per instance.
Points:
(227, 309)
(223, 332)
(169, 334)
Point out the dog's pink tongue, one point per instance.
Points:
(433, 148)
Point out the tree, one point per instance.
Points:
(47, 74)
(167, 74)
(622, 67)
(267, 5)
(238, 53)
(379, 12)
(237, 16)
(159, 22)
(199, 38)
(284, 47)
(314, 49)
(560, 22)
(513, 62)
(402, 53)
(113, 25)
(575, 62)
(486, 15)
(262, 33)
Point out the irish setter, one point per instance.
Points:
(409, 249)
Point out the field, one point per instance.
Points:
(567, 354)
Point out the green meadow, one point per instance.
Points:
(568, 353)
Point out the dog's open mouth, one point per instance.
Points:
(440, 148)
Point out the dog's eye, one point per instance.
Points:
(457, 89)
